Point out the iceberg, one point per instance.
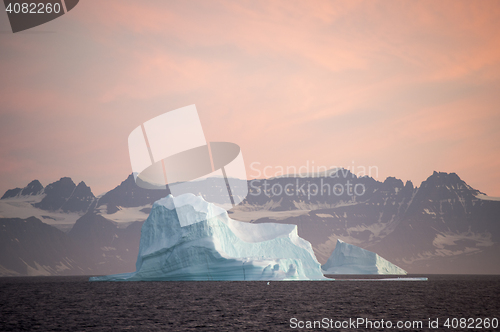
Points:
(350, 259)
(187, 238)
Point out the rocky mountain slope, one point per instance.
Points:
(442, 226)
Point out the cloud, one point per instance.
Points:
(407, 86)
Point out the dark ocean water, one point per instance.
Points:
(74, 304)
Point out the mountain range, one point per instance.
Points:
(442, 226)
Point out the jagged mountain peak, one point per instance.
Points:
(64, 194)
(449, 181)
(443, 193)
(33, 188)
(83, 188)
(440, 177)
(57, 194)
(64, 184)
(80, 200)
(11, 193)
(129, 194)
(392, 182)
(344, 173)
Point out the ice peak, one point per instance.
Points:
(188, 203)
(171, 202)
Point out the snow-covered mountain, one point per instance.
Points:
(32, 189)
(63, 195)
(59, 204)
(442, 226)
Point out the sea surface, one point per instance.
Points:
(75, 304)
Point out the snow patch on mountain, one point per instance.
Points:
(22, 207)
(443, 240)
(126, 215)
(487, 198)
(324, 215)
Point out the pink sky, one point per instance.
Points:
(409, 87)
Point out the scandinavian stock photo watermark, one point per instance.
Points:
(309, 180)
